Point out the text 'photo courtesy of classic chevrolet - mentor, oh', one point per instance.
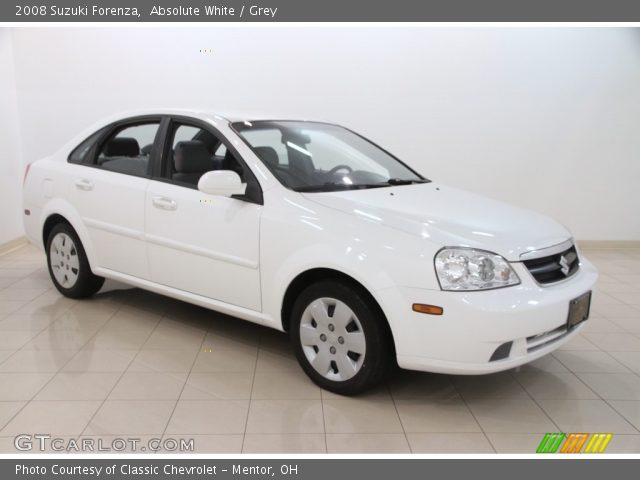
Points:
(309, 228)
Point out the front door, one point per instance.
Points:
(199, 243)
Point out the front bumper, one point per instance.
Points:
(475, 324)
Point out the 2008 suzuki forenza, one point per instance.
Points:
(309, 228)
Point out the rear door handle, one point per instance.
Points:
(84, 184)
(164, 203)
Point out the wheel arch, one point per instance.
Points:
(62, 213)
(313, 275)
(51, 221)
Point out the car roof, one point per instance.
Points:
(201, 113)
(204, 113)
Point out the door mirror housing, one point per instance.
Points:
(222, 182)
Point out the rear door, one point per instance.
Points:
(108, 190)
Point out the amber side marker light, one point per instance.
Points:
(429, 309)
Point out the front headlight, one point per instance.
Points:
(466, 269)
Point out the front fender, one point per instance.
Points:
(298, 236)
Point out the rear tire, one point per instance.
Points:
(341, 338)
(68, 265)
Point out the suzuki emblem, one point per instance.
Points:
(564, 265)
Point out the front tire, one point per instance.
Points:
(68, 265)
(340, 338)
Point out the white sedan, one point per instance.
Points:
(312, 229)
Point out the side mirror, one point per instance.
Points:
(221, 182)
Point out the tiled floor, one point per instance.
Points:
(130, 364)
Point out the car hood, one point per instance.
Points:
(449, 217)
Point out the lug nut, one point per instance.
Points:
(340, 340)
(331, 327)
(332, 350)
(323, 337)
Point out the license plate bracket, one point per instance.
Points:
(579, 310)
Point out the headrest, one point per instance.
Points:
(268, 156)
(191, 156)
(122, 147)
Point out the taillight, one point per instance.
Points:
(26, 172)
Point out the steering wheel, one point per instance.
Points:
(339, 167)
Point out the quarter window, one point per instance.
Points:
(81, 153)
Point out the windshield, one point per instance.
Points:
(319, 157)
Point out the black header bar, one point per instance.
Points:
(320, 11)
(305, 469)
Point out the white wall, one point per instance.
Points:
(544, 118)
(10, 157)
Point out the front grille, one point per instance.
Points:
(554, 268)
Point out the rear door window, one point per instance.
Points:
(128, 149)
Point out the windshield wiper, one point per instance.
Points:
(404, 181)
(333, 186)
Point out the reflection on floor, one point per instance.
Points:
(129, 364)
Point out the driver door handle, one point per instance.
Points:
(164, 203)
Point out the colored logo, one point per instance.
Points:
(574, 442)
